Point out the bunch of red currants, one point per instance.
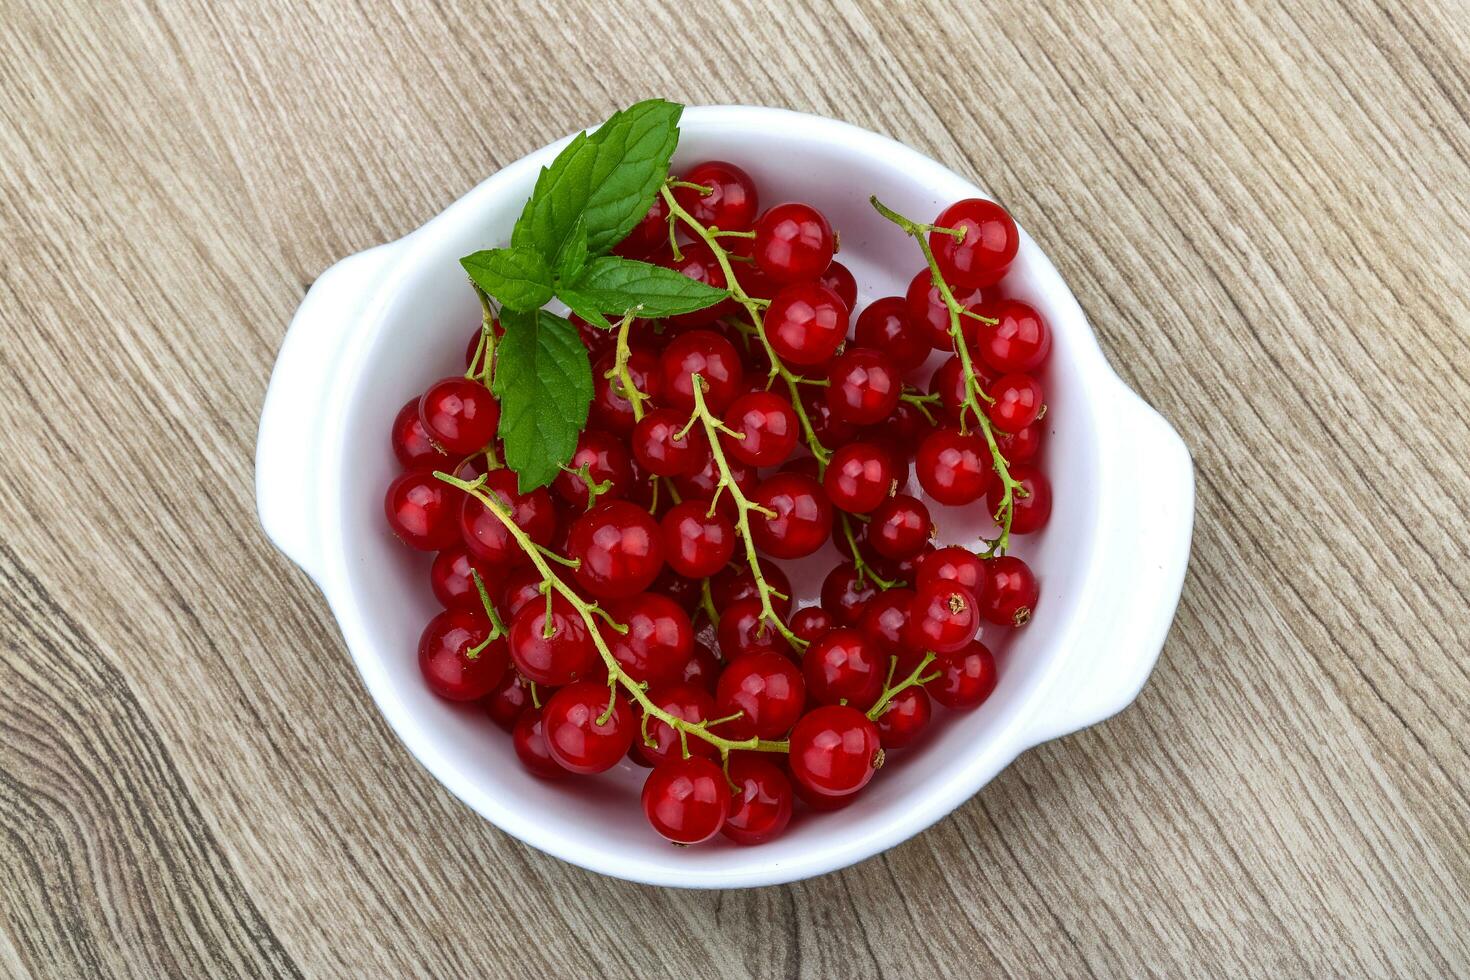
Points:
(635, 608)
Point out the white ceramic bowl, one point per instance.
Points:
(378, 326)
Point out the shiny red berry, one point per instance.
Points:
(662, 450)
(863, 386)
(793, 242)
(460, 415)
(766, 429)
(859, 477)
(609, 409)
(840, 280)
(728, 202)
(1031, 504)
(843, 665)
(521, 588)
(811, 622)
(697, 544)
(1023, 446)
(529, 739)
(657, 641)
(797, 518)
(805, 323)
(744, 629)
(943, 618)
(618, 548)
(607, 462)
(903, 717)
(768, 691)
(736, 583)
(410, 440)
(1016, 402)
(760, 807)
(966, 676)
(900, 527)
(988, 247)
(455, 661)
(929, 312)
(421, 510)
(451, 580)
(835, 750)
(708, 355)
(885, 620)
(844, 595)
(581, 734)
(686, 799)
(1018, 342)
(886, 325)
(686, 702)
(649, 235)
(509, 698)
(1011, 591)
(702, 669)
(559, 655)
(953, 564)
(486, 534)
(952, 467)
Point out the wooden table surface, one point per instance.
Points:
(1263, 209)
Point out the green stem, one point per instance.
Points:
(589, 612)
(973, 391)
(863, 571)
(890, 692)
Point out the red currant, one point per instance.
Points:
(411, 443)
(658, 640)
(943, 618)
(805, 323)
(903, 717)
(844, 596)
(486, 534)
(987, 249)
(1030, 505)
(704, 482)
(966, 676)
(843, 666)
(1011, 591)
(582, 735)
(1020, 447)
(455, 664)
(736, 583)
(460, 415)
(885, 620)
(522, 587)
(840, 280)
(953, 564)
(863, 386)
(421, 510)
(702, 669)
(555, 656)
(760, 807)
(765, 426)
(709, 355)
(609, 409)
(729, 203)
(799, 519)
(859, 477)
(835, 750)
(529, 739)
(697, 544)
(811, 622)
(607, 462)
(952, 466)
(509, 698)
(931, 315)
(618, 548)
(768, 691)
(660, 449)
(451, 582)
(900, 527)
(685, 702)
(886, 325)
(1016, 402)
(686, 799)
(1018, 342)
(649, 235)
(793, 242)
(828, 428)
(743, 629)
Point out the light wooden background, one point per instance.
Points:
(1264, 210)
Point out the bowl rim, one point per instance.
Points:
(1101, 386)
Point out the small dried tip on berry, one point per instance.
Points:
(957, 604)
(878, 759)
(1022, 616)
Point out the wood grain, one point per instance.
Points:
(1263, 208)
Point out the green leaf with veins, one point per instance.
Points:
(608, 179)
(544, 384)
(617, 285)
(518, 277)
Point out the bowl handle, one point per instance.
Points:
(288, 443)
(1133, 613)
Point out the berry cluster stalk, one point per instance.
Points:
(974, 393)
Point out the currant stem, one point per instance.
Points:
(620, 370)
(1005, 510)
(588, 612)
(913, 679)
(743, 506)
(861, 566)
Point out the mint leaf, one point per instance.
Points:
(544, 384)
(608, 178)
(572, 256)
(584, 307)
(617, 285)
(518, 277)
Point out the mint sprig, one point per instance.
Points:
(599, 186)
